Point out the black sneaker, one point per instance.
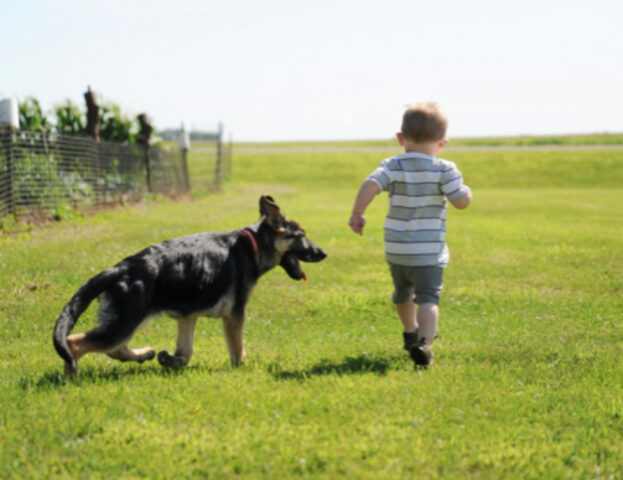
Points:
(410, 339)
(421, 354)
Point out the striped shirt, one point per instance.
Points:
(415, 226)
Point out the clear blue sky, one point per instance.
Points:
(296, 70)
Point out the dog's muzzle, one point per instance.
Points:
(291, 261)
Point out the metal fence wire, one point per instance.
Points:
(42, 173)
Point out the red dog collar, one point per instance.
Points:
(253, 241)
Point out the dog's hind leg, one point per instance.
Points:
(102, 339)
(184, 347)
(80, 345)
(116, 328)
(125, 354)
(232, 328)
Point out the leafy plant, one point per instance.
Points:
(69, 119)
(36, 181)
(31, 117)
(114, 126)
(78, 189)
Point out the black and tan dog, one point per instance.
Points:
(207, 274)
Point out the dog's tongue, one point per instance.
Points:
(298, 266)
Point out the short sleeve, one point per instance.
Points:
(452, 182)
(382, 175)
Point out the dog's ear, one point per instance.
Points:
(270, 210)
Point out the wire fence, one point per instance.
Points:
(43, 173)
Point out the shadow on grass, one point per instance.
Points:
(92, 374)
(351, 365)
(98, 374)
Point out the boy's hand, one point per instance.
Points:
(368, 190)
(356, 223)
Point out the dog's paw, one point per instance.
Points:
(149, 354)
(71, 372)
(170, 361)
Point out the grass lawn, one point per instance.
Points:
(527, 381)
(522, 141)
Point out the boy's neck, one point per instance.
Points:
(431, 152)
(428, 148)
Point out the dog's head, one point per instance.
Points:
(291, 243)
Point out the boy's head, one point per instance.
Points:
(424, 122)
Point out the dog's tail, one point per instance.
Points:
(76, 306)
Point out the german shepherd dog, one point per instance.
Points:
(207, 274)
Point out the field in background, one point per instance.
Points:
(527, 383)
(602, 139)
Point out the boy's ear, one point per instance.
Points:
(442, 143)
(270, 210)
(401, 138)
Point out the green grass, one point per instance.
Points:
(577, 140)
(527, 383)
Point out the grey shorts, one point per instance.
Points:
(425, 282)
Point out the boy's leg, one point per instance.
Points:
(406, 313)
(428, 319)
(428, 283)
(403, 299)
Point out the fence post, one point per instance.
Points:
(230, 155)
(143, 138)
(219, 155)
(147, 167)
(93, 116)
(96, 170)
(8, 145)
(9, 123)
(184, 143)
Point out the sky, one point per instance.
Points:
(273, 70)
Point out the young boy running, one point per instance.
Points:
(415, 227)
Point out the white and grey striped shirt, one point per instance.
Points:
(415, 226)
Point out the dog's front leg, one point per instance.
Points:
(184, 348)
(232, 328)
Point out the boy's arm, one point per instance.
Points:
(462, 202)
(366, 194)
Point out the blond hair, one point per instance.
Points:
(424, 122)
